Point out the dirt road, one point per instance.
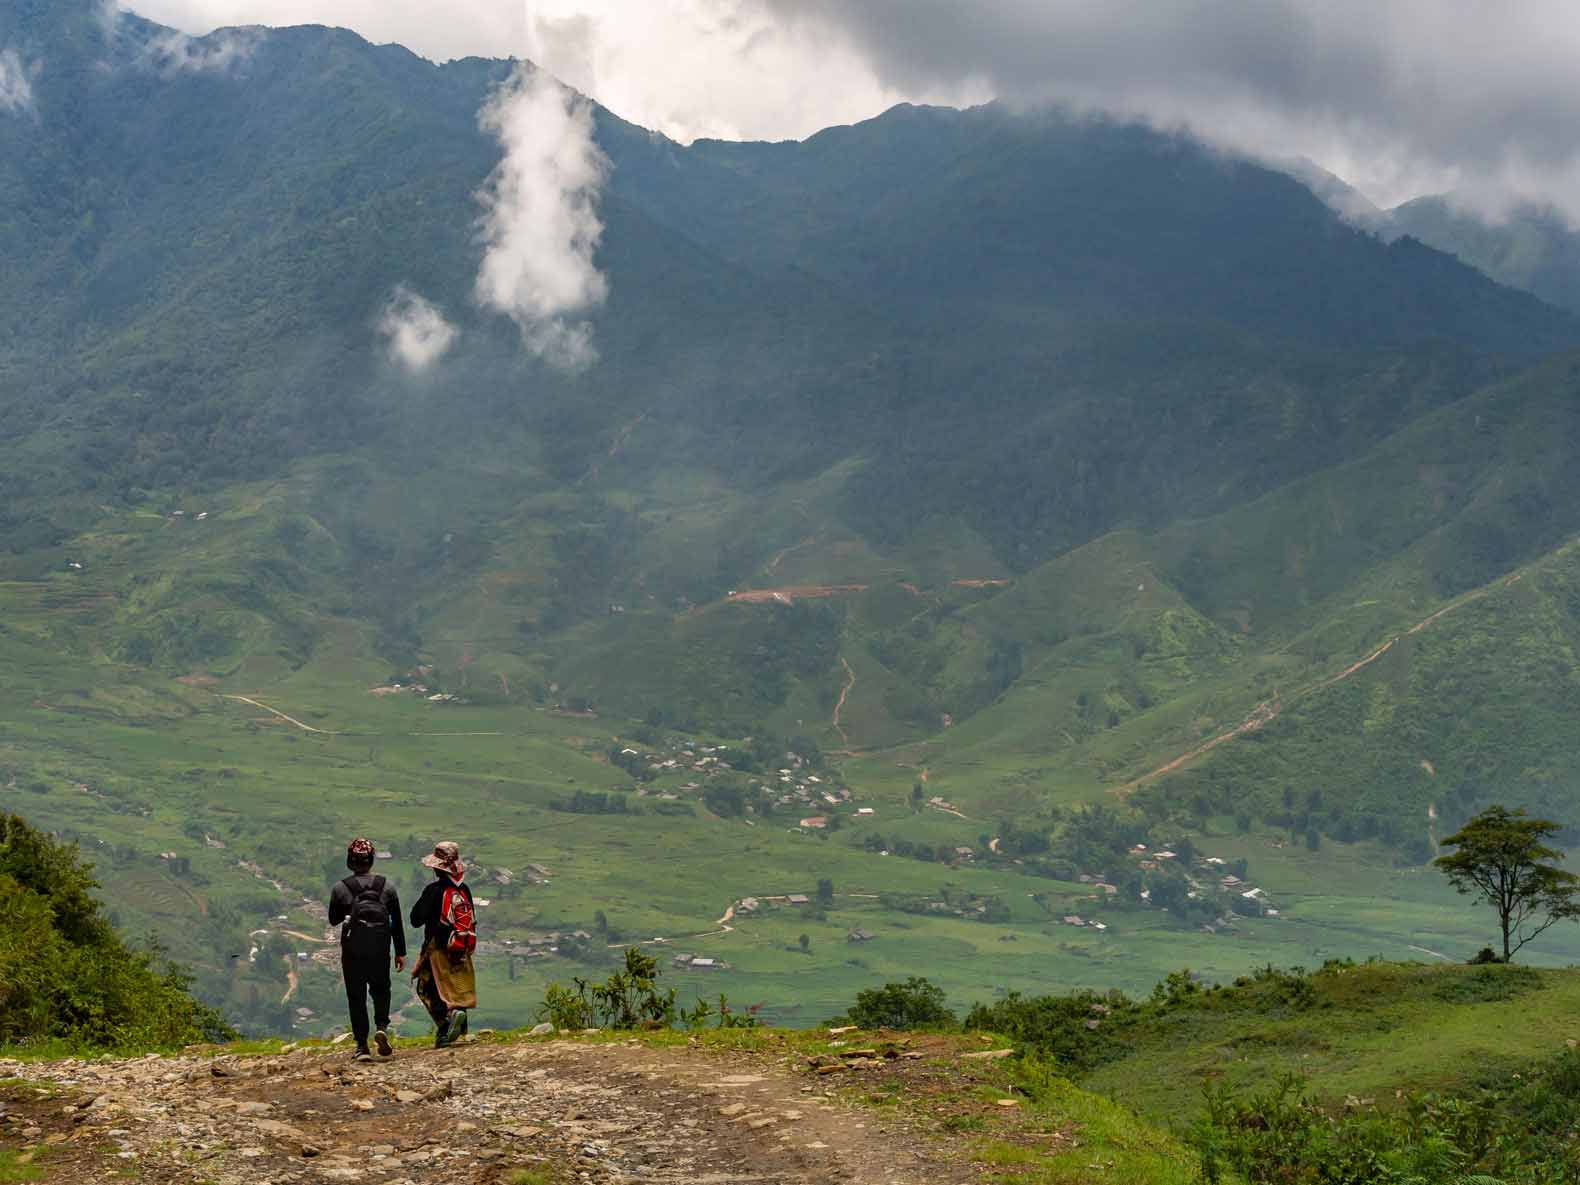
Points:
(330, 733)
(280, 714)
(790, 594)
(476, 1115)
(844, 694)
(1266, 712)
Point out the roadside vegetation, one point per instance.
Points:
(67, 982)
(1142, 1087)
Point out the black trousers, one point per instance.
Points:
(366, 976)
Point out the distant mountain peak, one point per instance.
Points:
(1338, 194)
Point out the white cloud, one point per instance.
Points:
(416, 331)
(724, 69)
(1399, 98)
(730, 69)
(540, 223)
(176, 53)
(16, 83)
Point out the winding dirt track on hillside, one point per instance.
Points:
(789, 594)
(844, 694)
(773, 564)
(1269, 710)
(281, 715)
(325, 732)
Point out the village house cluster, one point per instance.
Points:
(415, 682)
(793, 786)
(1209, 879)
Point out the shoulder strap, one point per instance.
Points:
(357, 892)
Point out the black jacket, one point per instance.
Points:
(426, 912)
(340, 900)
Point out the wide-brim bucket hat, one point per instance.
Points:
(446, 858)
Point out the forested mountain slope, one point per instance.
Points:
(1532, 247)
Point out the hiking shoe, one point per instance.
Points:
(362, 1054)
(382, 1040)
(457, 1025)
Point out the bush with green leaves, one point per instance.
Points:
(628, 999)
(724, 1016)
(631, 999)
(65, 976)
(1082, 1030)
(1521, 1130)
(917, 1003)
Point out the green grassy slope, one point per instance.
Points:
(1367, 1031)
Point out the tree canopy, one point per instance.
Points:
(64, 975)
(916, 1003)
(1503, 859)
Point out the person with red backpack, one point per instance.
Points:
(370, 909)
(443, 977)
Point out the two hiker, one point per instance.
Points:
(443, 976)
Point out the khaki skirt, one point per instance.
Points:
(440, 979)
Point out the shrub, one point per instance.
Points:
(66, 976)
(914, 1004)
(628, 999)
(1499, 1134)
(1079, 1029)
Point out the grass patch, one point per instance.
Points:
(18, 1166)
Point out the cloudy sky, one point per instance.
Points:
(1399, 97)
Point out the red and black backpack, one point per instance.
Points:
(455, 911)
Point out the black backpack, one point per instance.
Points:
(367, 930)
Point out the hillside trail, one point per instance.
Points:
(844, 694)
(595, 1113)
(1269, 710)
(276, 712)
(332, 733)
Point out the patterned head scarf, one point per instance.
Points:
(359, 854)
(447, 859)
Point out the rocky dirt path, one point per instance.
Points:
(486, 1113)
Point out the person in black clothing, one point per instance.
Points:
(370, 909)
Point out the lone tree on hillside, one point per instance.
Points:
(1502, 858)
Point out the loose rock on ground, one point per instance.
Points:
(585, 1112)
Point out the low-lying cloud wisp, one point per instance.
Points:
(416, 333)
(540, 225)
(16, 83)
(176, 53)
